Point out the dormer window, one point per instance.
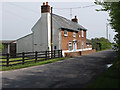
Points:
(65, 33)
(74, 34)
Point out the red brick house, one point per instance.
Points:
(68, 35)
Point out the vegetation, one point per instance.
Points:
(114, 12)
(1, 47)
(32, 64)
(109, 79)
(100, 44)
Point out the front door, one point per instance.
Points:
(74, 46)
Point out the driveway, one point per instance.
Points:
(70, 73)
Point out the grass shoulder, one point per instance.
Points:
(32, 64)
(109, 79)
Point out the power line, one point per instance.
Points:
(71, 9)
(76, 7)
(18, 15)
(23, 7)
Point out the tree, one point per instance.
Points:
(100, 43)
(114, 12)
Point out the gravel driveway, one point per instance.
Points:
(70, 73)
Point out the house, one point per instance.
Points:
(88, 43)
(9, 46)
(68, 35)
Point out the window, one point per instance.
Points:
(82, 33)
(82, 45)
(65, 32)
(88, 46)
(74, 34)
(70, 46)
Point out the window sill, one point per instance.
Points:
(65, 35)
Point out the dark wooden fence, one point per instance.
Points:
(25, 57)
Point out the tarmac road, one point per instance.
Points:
(70, 73)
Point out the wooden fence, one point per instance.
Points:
(25, 57)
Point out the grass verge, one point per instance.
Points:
(32, 64)
(109, 79)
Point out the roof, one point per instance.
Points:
(67, 24)
(24, 36)
(7, 41)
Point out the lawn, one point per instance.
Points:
(109, 79)
(29, 64)
(17, 60)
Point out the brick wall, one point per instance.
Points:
(74, 54)
(87, 52)
(66, 39)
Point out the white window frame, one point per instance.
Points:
(65, 34)
(70, 45)
(88, 45)
(82, 45)
(74, 34)
(82, 33)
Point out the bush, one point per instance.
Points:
(1, 47)
(100, 44)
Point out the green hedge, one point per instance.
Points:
(101, 43)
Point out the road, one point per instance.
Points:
(70, 73)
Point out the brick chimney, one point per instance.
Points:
(75, 19)
(45, 8)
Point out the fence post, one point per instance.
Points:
(7, 59)
(54, 53)
(23, 57)
(36, 56)
(61, 52)
(46, 55)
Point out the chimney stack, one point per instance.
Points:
(45, 8)
(75, 19)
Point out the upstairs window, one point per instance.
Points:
(70, 46)
(65, 32)
(82, 33)
(74, 34)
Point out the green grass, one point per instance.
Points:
(12, 59)
(32, 64)
(109, 79)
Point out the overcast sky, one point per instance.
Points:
(19, 17)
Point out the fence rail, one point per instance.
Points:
(22, 58)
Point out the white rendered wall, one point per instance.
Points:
(41, 33)
(24, 44)
(56, 35)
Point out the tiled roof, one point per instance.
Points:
(66, 23)
(7, 41)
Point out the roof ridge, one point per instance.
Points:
(72, 24)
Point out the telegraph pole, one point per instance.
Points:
(51, 35)
(107, 30)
